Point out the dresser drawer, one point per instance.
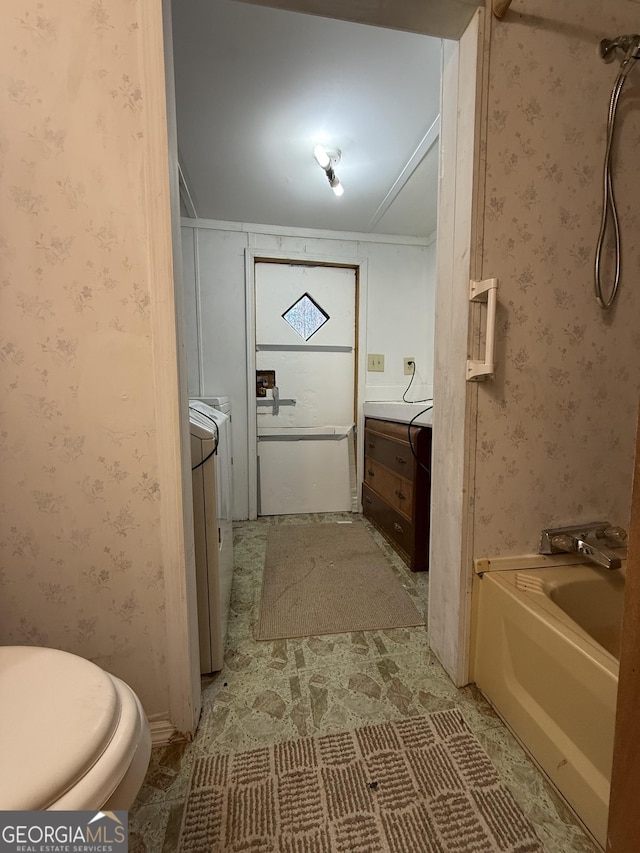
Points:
(391, 523)
(392, 430)
(395, 490)
(390, 452)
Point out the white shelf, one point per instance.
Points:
(400, 412)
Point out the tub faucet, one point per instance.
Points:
(592, 541)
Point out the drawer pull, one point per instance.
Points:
(401, 460)
(371, 444)
(368, 500)
(371, 472)
(397, 527)
(401, 494)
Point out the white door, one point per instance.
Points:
(305, 366)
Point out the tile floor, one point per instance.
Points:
(276, 690)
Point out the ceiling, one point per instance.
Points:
(446, 19)
(257, 88)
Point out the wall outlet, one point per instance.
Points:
(409, 366)
(375, 363)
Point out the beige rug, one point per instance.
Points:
(329, 579)
(419, 785)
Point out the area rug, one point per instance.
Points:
(417, 785)
(329, 579)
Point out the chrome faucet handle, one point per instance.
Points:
(562, 542)
(617, 536)
(593, 541)
(551, 535)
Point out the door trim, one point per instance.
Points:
(624, 818)
(162, 206)
(454, 417)
(360, 266)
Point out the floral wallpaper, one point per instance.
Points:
(556, 427)
(80, 558)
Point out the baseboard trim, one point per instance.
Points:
(164, 732)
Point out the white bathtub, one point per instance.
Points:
(545, 653)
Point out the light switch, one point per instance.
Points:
(375, 363)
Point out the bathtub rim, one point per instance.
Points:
(536, 561)
(559, 621)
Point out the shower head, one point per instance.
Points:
(629, 44)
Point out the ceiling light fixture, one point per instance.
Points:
(327, 158)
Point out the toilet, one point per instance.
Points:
(72, 736)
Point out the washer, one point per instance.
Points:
(213, 534)
(222, 404)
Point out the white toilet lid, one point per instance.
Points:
(58, 712)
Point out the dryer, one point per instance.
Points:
(238, 488)
(213, 535)
(222, 404)
(224, 468)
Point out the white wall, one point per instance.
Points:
(400, 287)
(400, 317)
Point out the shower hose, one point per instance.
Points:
(609, 208)
(631, 44)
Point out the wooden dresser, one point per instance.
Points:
(397, 487)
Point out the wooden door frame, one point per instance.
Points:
(360, 267)
(162, 203)
(623, 832)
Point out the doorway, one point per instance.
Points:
(370, 221)
(305, 344)
(448, 623)
(321, 417)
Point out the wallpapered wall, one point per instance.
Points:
(80, 558)
(556, 428)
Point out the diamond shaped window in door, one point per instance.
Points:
(305, 317)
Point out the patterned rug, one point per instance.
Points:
(329, 579)
(417, 785)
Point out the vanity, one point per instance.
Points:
(396, 491)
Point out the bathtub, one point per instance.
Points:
(545, 649)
